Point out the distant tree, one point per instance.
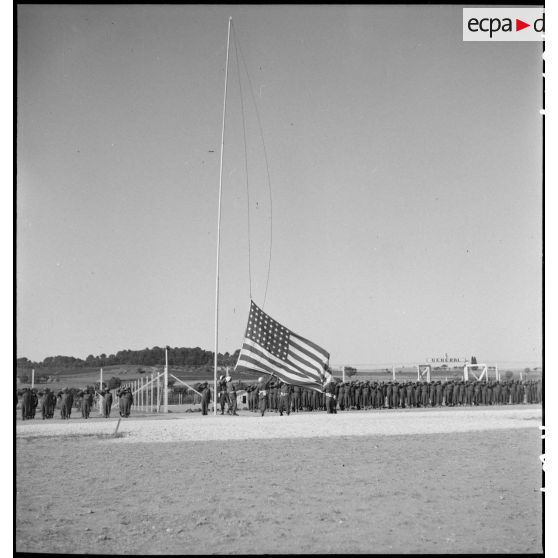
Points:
(527, 370)
(349, 371)
(508, 375)
(24, 378)
(114, 382)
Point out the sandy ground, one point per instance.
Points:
(407, 481)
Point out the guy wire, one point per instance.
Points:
(245, 159)
(266, 164)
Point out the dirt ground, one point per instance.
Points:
(408, 481)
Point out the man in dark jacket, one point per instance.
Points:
(205, 397)
(108, 402)
(26, 401)
(126, 400)
(284, 398)
(86, 402)
(231, 396)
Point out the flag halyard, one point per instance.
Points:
(273, 349)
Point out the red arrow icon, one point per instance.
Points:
(519, 25)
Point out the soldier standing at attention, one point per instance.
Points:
(262, 395)
(86, 401)
(231, 396)
(108, 402)
(222, 393)
(66, 401)
(205, 398)
(331, 404)
(25, 404)
(284, 398)
(296, 399)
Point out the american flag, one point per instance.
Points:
(271, 348)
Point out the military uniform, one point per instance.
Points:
(108, 402)
(284, 399)
(205, 398)
(231, 396)
(262, 396)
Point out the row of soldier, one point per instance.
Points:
(47, 400)
(280, 397)
(365, 395)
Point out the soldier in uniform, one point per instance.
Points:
(262, 395)
(108, 402)
(26, 404)
(284, 398)
(341, 395)
(231, 396)
(86, 402)
(126, 400)
(222, 393)
(205, 398)
(296, 398)
(66, 401)
(331, 403)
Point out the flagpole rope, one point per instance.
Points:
(266, 162)
(235, 41)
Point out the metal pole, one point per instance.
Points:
(343, 374)
(32, 378)
(393, 371)
(101, 381)
(219, 223)
(151, 393)
(158, 393)
(166, 383)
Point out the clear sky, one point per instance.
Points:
(405, 173)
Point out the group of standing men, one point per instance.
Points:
(46, 400)
(275, 395)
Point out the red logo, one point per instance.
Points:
(519, 25)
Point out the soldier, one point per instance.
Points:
(126, 400)
(331, 403)
(358, 395)
(44, 403)
(205, 397)
(108, 402)
(341, 395)
(410, 394)
(86, 402)
(424, 394)
(66, 400)
(34, 402)
(284, 398)
(296, 399)
(262, 395)
(222, 393)
(26, 399)
(231, 396)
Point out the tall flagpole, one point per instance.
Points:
(219, 225)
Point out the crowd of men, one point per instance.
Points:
(84, 399)
(365, 395)
(277, 396)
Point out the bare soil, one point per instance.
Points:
(412, 481)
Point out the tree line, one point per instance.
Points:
(178, 356)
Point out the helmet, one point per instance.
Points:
(260, 379)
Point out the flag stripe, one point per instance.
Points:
(303, 357)
(255, 363)
(250, 365)
(254, 349)
(323, 355)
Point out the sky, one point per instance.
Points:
(405, 178)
